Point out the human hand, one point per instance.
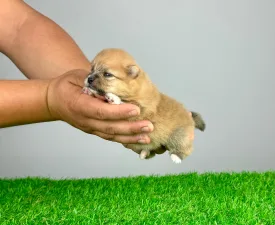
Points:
(68, 103)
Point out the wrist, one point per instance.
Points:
(50, 100)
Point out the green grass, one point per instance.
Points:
(221, 198)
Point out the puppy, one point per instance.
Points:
(116, 77)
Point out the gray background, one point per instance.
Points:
(217, 57)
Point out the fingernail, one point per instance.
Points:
(145, 129)
(133, 113)
(141, 139)
(148, 128)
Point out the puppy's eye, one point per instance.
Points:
(108, 74)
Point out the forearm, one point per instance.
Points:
(39, 47)
(23, 102)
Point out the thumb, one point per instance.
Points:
(77, 76)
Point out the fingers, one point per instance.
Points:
(124, 132)
(97, 109)
(124, 139)
(121, 127)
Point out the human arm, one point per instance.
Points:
(23, 102)
(38, 46)
(42, 50)
(61, 98)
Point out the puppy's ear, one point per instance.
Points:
(133, 71)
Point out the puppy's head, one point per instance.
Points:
(115, 71)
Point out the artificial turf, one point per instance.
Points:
(210, 198)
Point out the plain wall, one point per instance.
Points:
(216, 57)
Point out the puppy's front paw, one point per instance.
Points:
(112, 99)
(147, 154)
(175, 158)
(88, 91)
(143, 154)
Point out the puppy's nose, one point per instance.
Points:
(91, 79)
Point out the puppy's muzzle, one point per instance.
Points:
(91, 84)
(91, 79)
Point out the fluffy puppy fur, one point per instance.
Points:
(117, 77)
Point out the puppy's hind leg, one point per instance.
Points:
(177, 155)
(180, 145)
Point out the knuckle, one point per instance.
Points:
(81, 125)
(86, 129)
(72, 105)
(110, 130)
(85, 125)
(134, 129)
(100, 114)
(109, 137)
(92, 132)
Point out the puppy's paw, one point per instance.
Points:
(143, 154)
(88, 91)
(175, 158)
(112, 99)
(147, 154)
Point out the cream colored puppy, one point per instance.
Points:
(116, 77)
